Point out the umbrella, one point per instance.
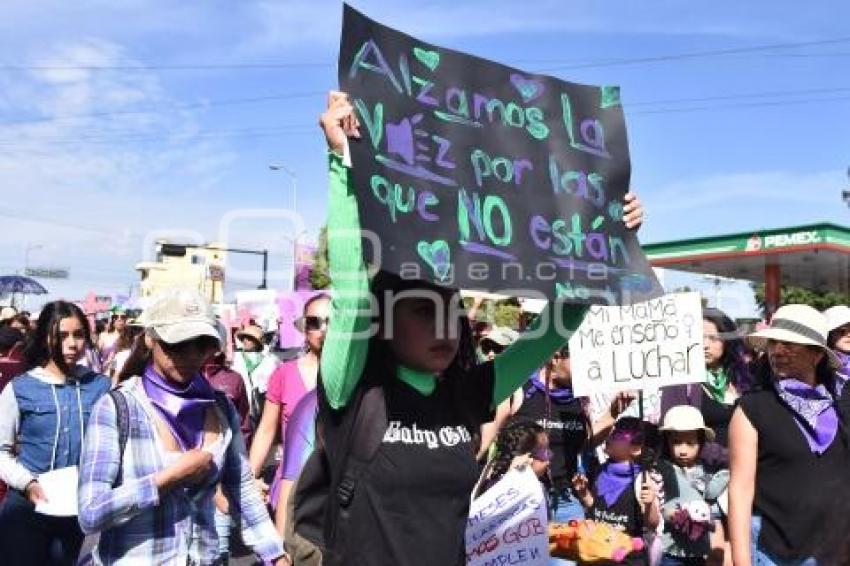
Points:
(20, 284)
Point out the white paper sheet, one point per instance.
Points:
(60, 488)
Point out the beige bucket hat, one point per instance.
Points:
(683, 418)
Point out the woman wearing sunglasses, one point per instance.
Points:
(150, 494)
(290, 386)
(107, 341)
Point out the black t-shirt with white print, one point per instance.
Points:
(412, 502)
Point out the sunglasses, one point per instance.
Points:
(311, 323)
(187, 347)
(117, 316)
(488, 346)
(541, 454)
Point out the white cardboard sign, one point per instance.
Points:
(641, 346)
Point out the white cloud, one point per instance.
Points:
(87, 178)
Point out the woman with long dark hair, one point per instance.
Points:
(410, 504)
(43, 417)
(159, 445)
(727, 378)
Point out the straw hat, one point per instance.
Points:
(798, 324)
(837, 317)
(682, 418)
(252, 332)
(178, 315)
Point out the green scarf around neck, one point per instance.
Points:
(716, 383)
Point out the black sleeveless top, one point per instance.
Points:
(567, 427)
(411, 505)
(795, 488)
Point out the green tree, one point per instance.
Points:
(820, 300)
(319, 275)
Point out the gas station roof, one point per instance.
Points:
(816, 256)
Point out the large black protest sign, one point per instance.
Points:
(477, 175)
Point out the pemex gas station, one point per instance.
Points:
(816, 257)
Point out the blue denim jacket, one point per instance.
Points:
(52, 418)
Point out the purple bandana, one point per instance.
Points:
(559, 396)
(183, 409)
(814, 412)
(613, 480)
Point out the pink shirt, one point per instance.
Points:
(286, 387)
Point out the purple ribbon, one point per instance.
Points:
(814, 412)
(613, 480)
(183, 407)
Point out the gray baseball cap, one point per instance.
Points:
(177, 315)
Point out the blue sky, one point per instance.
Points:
(124, 121)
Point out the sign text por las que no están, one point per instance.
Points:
(476, 175)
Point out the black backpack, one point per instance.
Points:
(346, 442)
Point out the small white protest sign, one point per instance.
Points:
(641, 346)
(508, 523)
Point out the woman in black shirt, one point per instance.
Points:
(789, 454)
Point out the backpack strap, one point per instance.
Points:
(362, 427)
(122, 418)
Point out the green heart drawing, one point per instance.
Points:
(609, 96)
(437, 254)
(430, 59)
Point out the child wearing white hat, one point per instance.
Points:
(688, 519)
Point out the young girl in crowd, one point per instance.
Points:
(410, 505)
(520, 443)
(43, 416)
(614, 498)
(688, 521)
(151, 495)
(289, 386)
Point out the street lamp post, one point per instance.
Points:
(294, 177)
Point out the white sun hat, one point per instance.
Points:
(798, 324)
(837, 316)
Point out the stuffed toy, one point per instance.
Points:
(691, 518)
(588, 542)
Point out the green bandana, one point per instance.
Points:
(716, 384)
(423, 382)
(252, 360)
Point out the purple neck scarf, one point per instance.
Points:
(814, 412)
(559, 396)
(613, 480)
(183, 409)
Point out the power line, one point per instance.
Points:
(175, 107)
(740, 96)
(316, 64)
(698, 54)
(741, 105)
